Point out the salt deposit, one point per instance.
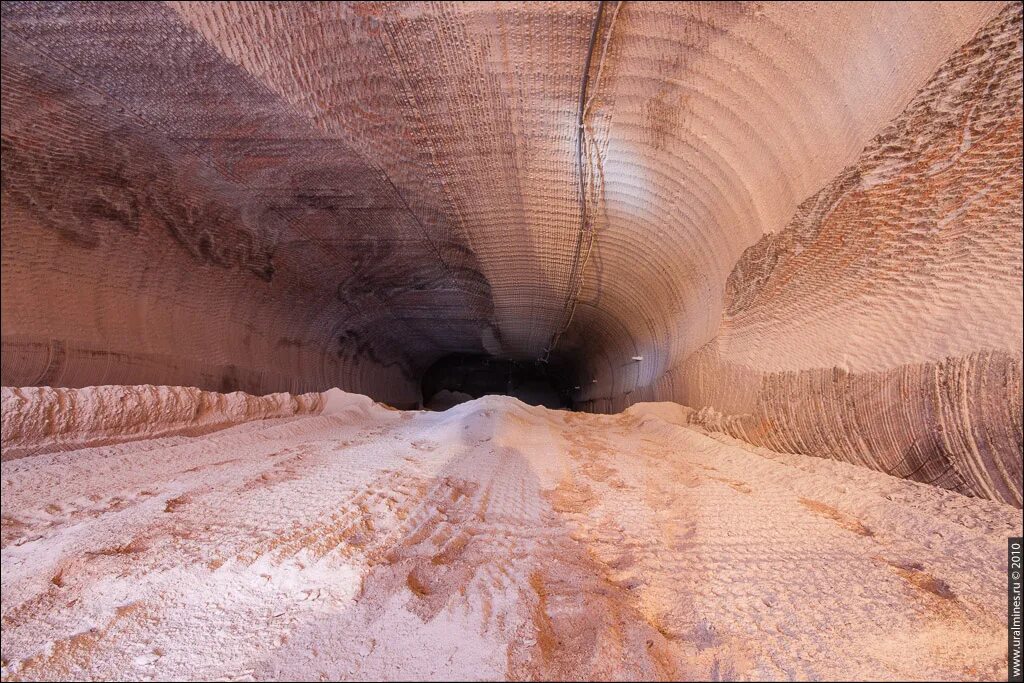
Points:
(494, 540)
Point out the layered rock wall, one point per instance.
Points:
(43, 419)
(291, 197)
(883, 325)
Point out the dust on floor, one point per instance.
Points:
(491, 541)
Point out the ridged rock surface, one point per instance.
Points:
(883, 325)
(43, 419)
(803, 218)
(492, 541)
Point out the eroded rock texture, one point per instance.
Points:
(292, 197)
(883, 326)
(43, 419)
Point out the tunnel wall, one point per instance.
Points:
(169, 220)
(883, 324)
(710, 124)
(296, 196)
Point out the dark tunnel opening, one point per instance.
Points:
(460, 377)
(296, 299)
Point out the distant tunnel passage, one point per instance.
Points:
(803, 219)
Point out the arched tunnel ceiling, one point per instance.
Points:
(295, 196)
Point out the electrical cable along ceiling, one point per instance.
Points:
(803, 218)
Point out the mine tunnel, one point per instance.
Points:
(510, 341)
(460, 377)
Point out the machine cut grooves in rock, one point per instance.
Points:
(510, 341)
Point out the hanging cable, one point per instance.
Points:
(600, 64)
(585, 237)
